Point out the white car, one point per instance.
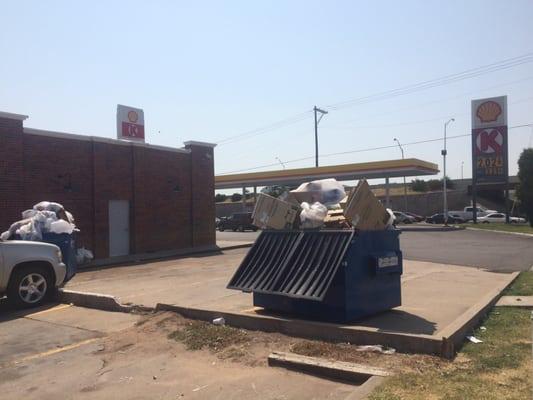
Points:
(500, 218)
(30, 271)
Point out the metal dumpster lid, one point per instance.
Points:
(299, 264)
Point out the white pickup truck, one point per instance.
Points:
(468, 212)
(30, 271)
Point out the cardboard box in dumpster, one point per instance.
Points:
(363, 210)
(272, 213)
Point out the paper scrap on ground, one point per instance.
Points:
(474, 339)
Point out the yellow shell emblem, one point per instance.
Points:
(489, 111)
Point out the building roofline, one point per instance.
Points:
(196, 143)
(73, 136)
(8, 115)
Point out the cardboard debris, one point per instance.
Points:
(336, 219)
(363, 210)
(272, 213)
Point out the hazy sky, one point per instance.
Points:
(211, 70)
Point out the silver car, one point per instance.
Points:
(30, 271)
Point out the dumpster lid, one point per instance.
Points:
(299, 264)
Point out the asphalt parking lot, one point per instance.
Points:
(65, 352)
(482, 249)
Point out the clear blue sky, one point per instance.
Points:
(211, 70)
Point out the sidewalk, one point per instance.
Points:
(438, 300)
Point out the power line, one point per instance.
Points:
(471, 73)
(365, 150)
(467, 74)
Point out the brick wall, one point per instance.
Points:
(170, 193)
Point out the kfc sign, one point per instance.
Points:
(130, 123)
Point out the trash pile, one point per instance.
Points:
(323, 204)
(44, 217)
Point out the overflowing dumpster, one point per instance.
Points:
(340, 261)
(331, 275)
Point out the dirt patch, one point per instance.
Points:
(198, 335)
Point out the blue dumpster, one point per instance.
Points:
(67, 245)
(330, 275)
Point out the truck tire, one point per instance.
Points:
(30, 286)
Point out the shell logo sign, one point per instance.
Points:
(488, 111)
(130, 123)
(489, 140)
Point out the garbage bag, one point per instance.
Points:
(325, 191)
(83, 255)
(61, 226)
(312, 216)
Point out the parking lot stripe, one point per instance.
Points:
(56, 308)
(55, 351)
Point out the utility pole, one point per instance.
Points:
(444, 152)
(317, 120)
(404, 184)
(462, 165)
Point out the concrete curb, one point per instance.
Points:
(405, 343)
(98, 301)
(237, 246)
(337, 370)
(496, 231)
(432, 229)
(136, 259)
(515, 301)
(454, 334)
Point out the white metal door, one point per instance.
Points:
(119, 227)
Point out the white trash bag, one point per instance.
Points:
(312, 216)
(325, 191)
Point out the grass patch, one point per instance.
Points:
(499, 368)
(520, 228)
(522, 286)
(199, 335)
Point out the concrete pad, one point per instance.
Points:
(439, 302)
(516, 301)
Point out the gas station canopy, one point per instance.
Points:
(344, 172)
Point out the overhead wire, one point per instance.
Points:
(452, 78)
(364, 150)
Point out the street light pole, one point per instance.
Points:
(317, 120)
(444, 152)
(404, 184)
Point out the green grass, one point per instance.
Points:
(198, 335)
(522, 286)
(520, 228)
(498, 368)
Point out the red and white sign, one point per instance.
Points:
(130, 123)
(489, 140)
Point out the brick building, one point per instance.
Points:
(127, 198)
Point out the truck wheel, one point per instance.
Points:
(29, 286)
(240, 228)
(221, 229)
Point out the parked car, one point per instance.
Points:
(439, 219)
(237, 222)
(402, 218)
(468, 212)
(30, 271)
(418, 218)
(500, 217)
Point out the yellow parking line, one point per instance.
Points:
(55, 351)
(56, 308)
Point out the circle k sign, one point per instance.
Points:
(489, 141)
